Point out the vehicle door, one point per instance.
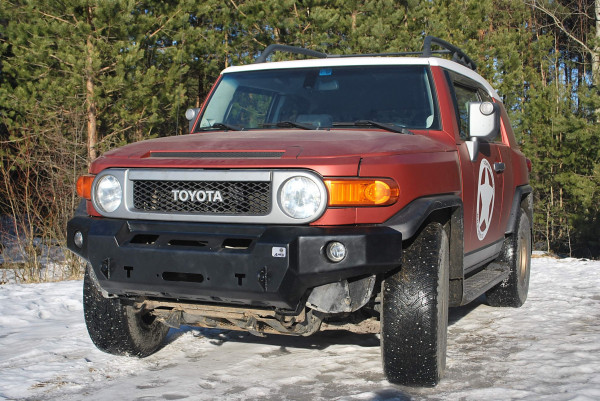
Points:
(504, 167)
(483, 180)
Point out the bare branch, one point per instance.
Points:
(535, 4)
(259, 42)
(54, 17)
(237, 8)
(165, 24)
(62, 61)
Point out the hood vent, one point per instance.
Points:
(219, 155)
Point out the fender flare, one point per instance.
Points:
(521, 193)
(412, 216)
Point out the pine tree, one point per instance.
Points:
(561, 130)
(78, 77)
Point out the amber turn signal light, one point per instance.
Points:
(84, 186)
(362, 192)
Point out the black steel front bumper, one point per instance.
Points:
(252, 265)
(261, 266)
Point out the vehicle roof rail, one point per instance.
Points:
(447, 48)
(387, 54)
(457, 54)
(289, 49)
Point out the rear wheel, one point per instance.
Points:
(414, 318)
(119, 329)
(512, 292)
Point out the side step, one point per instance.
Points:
(482, 281)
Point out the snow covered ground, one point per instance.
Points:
(547, 350)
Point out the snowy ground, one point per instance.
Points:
(547, 350)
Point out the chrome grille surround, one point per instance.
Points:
(243, 191)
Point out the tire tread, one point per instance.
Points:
(413, 341)
(118, 329)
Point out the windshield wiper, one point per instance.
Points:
(288, 124)
(377, 124)
(226, 126)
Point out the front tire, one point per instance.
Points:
(119, 329)
(414, 318)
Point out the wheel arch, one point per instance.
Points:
(448, 211)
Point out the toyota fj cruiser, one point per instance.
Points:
(310, 193)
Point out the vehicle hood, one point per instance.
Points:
(267, 148)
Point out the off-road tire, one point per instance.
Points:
(119, 329)
(414, 318)
(512, 292)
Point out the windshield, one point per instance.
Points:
(316, 98)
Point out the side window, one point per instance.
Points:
(464, 95)
(249, 108)
(484, 96)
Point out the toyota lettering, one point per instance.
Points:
(196, 196)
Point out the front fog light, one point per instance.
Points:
(335, 251)
(109, 193)
(78, 239)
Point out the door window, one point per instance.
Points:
(464, 95)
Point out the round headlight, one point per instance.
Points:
(300, 197)
(109, 193)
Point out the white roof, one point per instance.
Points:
(365, 61)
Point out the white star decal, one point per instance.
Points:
(486, 192)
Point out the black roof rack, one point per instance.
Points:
(457, 54)
(288, 49)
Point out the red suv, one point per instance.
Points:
(373, 189)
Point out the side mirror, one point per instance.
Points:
(484, 123)
(191, 115)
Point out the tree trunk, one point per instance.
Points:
(596, 55)
(92, 132)
(596, 52)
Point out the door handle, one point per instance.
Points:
(499, 167)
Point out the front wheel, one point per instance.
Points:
(119, 329)
(414, 317)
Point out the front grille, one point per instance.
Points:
(244, 198)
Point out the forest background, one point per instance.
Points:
(79, 77)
